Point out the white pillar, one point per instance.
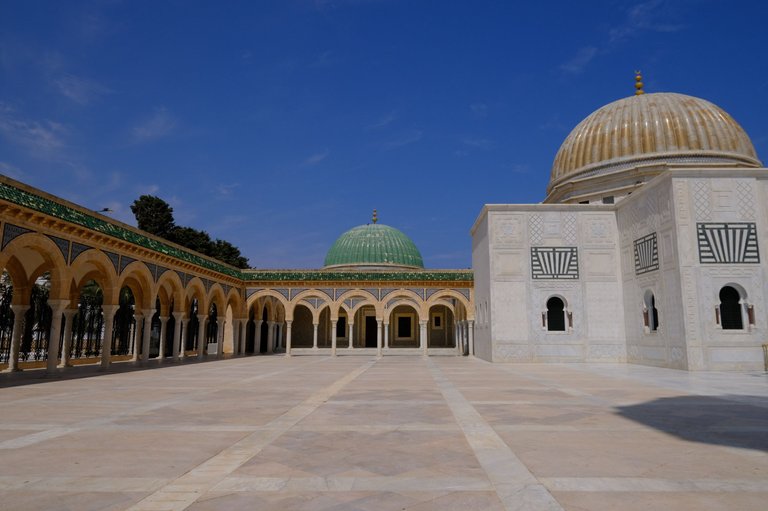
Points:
(314, 336)
(333, 338)
(471, 337)
(257, 336)
(18, 324)
(106, 343)
(139, 319)
(220, 338)
(146, 333)
(163, 333)
(456, 337)
(182, 341)
(270, 337)
(386, 336)
(423, 336)
(201, 337)
(69, 317)
(378, 337)
(178, 317)
(288, 338)
(57, 308)
(351, 340)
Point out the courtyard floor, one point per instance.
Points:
(396, 433)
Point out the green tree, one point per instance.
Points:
(154, 215)
(227, 252)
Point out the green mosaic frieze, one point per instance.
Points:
(68, 214)
(346, 276)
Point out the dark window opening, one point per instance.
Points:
(730, 309)
(341, 327)
(654, 315)
(404, 327)
(555, 315)
(608, 199)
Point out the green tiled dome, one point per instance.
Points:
(374, 245)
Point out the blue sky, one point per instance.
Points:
(278, 125)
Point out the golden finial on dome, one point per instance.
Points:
(638, 84)
(375, 216)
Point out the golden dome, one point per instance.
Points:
(648, 129)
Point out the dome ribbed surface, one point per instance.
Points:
(374, 245)
(652, 128)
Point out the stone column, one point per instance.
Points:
(456, 337)
(183, 341)
(178, 317)
(139, 318)
(109, 324)
(201, 337)
(378, 337)
(270, 337)
(288, 338)
(242, 335)
(220, 339)
(163, 333)
(314, 336)
(386, 336)
(257, 336)
(351, 338)
(235, 337)
(333, 338)
(18, 325)
(423, 336)
(146, 334)
(69, 317)
(471, 337)
(57, 308)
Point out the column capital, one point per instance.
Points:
(19, 308)
(202, 317)
(148, 313)
(110, 309)
(58, 304)
(164, 319)
(70, 313)
(178, 316)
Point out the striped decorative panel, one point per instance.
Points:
(554, 263)
(728, 243)
(646, 254)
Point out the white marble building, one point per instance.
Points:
(649, 248)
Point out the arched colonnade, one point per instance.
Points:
(385, 320)
(160, 311)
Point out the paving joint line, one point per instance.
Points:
(517, 488)
(184, 491)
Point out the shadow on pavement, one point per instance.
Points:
(35, 376)
(735, 421)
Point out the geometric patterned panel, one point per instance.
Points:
(62, 244)
(125, 261)
(115, 258)
(77, 249)
(554, 263)
(728, 243)
(11, 232)
(646, 254)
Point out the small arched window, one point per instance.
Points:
(555, 315)
(650, 312)
(730, 309)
